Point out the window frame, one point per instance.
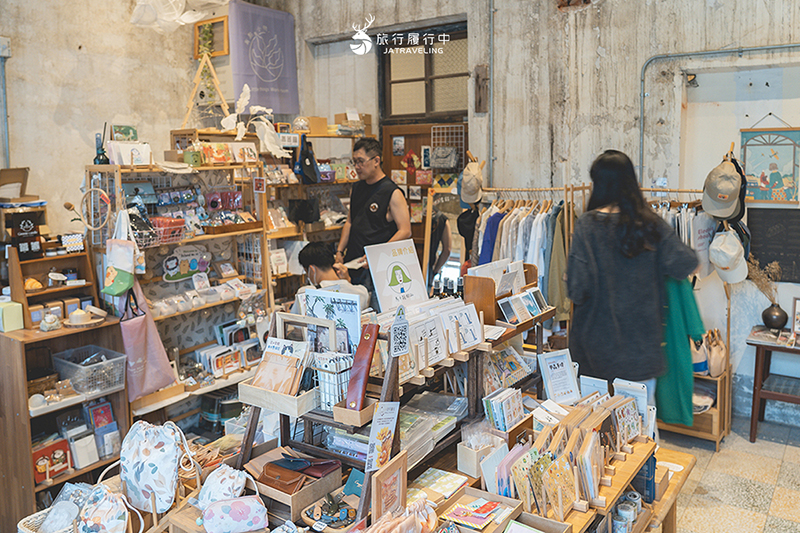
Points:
(456, 32)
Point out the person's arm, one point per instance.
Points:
(343, 240)
(398, 208)
(677, 260)
(447, 247)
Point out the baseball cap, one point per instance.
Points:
(721, 191)
(472, 183)
(727, 255)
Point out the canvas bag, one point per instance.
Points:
(149, 462)
(124, 227)
(717, 353)
(105, 512)
(307, 163)
(444, 157)
(238, 515)
(224, 483)
(148, 365)
(120, 251)
(699, 356)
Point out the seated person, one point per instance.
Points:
(317, 260)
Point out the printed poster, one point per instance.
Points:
(381, 435)
(396, 274)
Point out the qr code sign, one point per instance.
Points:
(399, 339)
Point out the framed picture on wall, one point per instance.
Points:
(770, 158)
(796, 317)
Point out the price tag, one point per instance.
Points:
(319, 525)
(399, 333)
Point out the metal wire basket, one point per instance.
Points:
(331, 376)
(97, 377)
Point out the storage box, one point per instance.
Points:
(318, 125)
(294, 406)
(469, 460)
(662, 481)
(11, 176)
(521, 431)
(351, 417)
(290, 506)
(70, 305)
(86, 301)
(98, 377)
(11, 316)
(466, 495)
(37, 314)
(55, 307)
(51, 460)
(545, 525)
(341, 118)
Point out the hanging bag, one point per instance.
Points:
(119, 258)
(700, 355)
(124, 219)
(309, 170)
(717, 354)
(148, 365)
(105, 512)
(149, 462)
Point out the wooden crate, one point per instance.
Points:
(294, 406)
(350, 417)
(158, 396)
(466, 495)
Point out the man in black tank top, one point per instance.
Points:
(378, 211)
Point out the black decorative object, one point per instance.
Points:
(774, 317)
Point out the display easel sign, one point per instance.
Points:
(396, 274)
(344, 309)
(559, 377)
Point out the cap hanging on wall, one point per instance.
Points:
(721, 191)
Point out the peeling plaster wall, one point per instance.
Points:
(75, 66)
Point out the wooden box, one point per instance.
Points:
(466, 495)
(350, 417)
(469, 460)
(284, 404)
(290, 506)
(318, 125)
(158, 396)
(662, 481)
(16, 175)
(545, 525)
(521, 431)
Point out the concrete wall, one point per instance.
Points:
(75, 66)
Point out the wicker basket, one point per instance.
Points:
(32, 523)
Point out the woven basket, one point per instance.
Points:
(32, 523)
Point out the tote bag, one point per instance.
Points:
(148, 365)
(120, 254)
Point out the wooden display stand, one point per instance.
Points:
(19, 354)
(18, 271)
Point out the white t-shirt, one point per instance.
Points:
(344, 286)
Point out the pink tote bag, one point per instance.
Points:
(148, 365)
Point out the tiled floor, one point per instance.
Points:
(745, 487)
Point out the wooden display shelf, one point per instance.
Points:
(195, 309)
(664, 512)
(206, 237)
(625, 472)
(55, 290)
(522, 327)
(55, 258)
(72, 400)
(71, 473)
(29, 336)
(284, 233)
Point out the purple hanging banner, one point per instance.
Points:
(263, 56)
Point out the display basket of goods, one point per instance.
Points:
(169, 230)
(145, 235)
(34, 522)
(41, 380)
(91, 368)
(331, 375)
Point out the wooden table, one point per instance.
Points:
(664, 510)
(768, 386)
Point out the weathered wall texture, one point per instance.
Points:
(75, 66)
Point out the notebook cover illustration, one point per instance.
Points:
(608, 434)
(520, 471)
(512, 409)
(628, 422)
(464, 515)
(559, 475)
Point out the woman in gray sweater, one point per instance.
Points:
(621, 249)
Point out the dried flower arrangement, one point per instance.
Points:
(765, 279)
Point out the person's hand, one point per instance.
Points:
(341, 271)
(338, 257)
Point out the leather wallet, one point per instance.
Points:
(295, 464)
(359, 373)
(320, 469)
(281, 479)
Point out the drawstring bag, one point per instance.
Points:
(224, 483)
(699, 356)
(149, 462)
(148, 365)
(105, 512)
(238, 515)
(444, 157)
(717, 353)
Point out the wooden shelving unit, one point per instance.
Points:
(20, 352)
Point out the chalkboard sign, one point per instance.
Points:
(776, 237)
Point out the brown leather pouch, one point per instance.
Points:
(281, 479)
(321, 469)
(359, 373)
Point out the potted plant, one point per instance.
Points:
(766, 280)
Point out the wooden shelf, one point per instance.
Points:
(285, 276)
(55, 258)
(55, 290)
(72, 473)
(220, 235)
(72, 400)
(626, 471)
(195, 309)
(522, 327)
(28, 336)
(326, 136)
(284, 233)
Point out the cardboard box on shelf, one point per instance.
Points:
(341, 118)
(318, 125)
(10, 316)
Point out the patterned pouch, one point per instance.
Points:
(238, 515)
(224, 483)
(105, 512)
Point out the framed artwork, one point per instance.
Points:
(559, 377)
(124, 133)
(414, 192)
(770, 158)
(400, 177)
(225, 269)
(425, 157)
(796, 315)
(219, 29)
(318, 332)
(389, 486)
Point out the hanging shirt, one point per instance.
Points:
(489, 238)
(524, 237)
(484, 219)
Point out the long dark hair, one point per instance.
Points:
(614, 183)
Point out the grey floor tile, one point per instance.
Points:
(780, 525)
(735, 491)
(789, 476)
(768, 431)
